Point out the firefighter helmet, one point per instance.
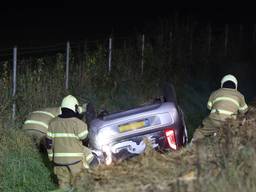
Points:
(70, 102)
(229, 77)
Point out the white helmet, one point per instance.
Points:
(229, 77)
(71, 103)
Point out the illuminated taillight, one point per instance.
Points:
(170, 136)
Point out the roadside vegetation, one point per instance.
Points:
(171, 54)
(223, 163)
(23, 168)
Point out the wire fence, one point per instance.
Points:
(183, 44)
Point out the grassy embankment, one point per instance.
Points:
(41, 84)
(224, 163)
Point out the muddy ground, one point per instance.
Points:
(222, 163)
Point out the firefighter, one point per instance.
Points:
(37, 123)
(224, 103)
(64, 142)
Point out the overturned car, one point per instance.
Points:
(124, 134)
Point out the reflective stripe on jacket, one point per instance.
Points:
(66, 135)
(225, 103)
(39, 120)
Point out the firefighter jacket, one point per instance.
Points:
(226, 103)
(64, 138)
(39, 120)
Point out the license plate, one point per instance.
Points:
(133, 126)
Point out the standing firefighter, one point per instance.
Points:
(37, 123)
(65, 137)
(224, 103)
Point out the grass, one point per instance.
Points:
(228, 166)
(22, 167)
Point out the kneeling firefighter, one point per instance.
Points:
(224, 103)
(65, 148)
(37, 123)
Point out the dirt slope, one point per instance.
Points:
(222, 163)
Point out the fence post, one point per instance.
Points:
(84, 56)
(109, 54)
(253, 33)
(209, 39)
(191, 36)
(241, 35)
(226, 39)
(142, 53)
(14, 82)
(170, 55)
(67, 64)
(85, 51)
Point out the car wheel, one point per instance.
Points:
(90, 113)
(185, 132)
(169, 92)
(102, 114)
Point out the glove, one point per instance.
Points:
(84, 106)
(82, 109)
(85, 141)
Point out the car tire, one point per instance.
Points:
(102, 114)
(90, 113)
(185, 132)
(169, 92)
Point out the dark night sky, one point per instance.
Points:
(63, 23)
(68, 22)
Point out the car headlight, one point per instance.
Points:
(104, 136)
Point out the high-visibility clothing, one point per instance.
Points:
(66, 135)
(39, 120)
(226, 103)
(68, 176)
(209, 127)
(38, 138)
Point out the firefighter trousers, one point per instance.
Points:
(69, 175)
(208, 128)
